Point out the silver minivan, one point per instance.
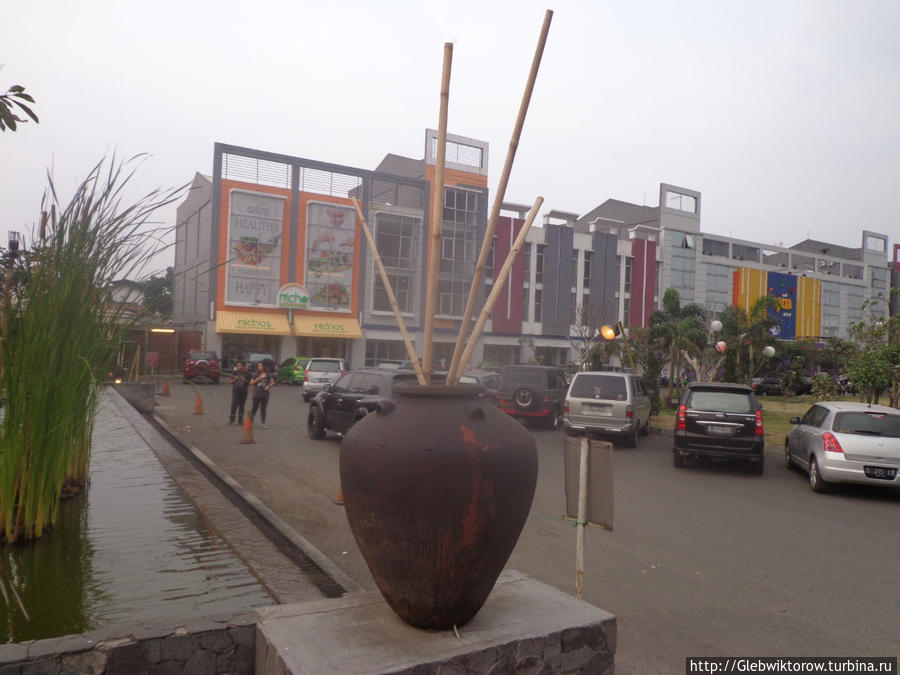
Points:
(607, 403)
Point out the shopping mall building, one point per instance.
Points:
(269, 255)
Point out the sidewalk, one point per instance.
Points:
(294, 477)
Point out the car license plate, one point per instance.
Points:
(600, 408)
(880, 472)
(720, 431)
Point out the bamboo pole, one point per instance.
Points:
(499, 282)
(410, 349)
(437, 216)
(499, 196)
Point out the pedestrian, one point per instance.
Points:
(240, 383)
(263, 381)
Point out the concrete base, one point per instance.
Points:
(524, 627)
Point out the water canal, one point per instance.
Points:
(132, 548)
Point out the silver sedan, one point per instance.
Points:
(838, 442)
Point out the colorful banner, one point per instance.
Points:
(783, 287)
(255, 223)
(330, 251)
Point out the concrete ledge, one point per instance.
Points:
(140, 395)
(524, 627)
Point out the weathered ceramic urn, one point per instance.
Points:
(437, 487)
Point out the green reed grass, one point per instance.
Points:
(62, 337)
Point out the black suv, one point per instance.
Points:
(720, 420)
(533, 394)
(354, 395)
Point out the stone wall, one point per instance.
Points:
(210, 645)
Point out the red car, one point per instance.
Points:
(201, 365)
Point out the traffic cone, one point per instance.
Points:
(340, 497)
(166, 391)
(198, 406)
(247, 436)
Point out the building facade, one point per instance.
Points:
(266, 231)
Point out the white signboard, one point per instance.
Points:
(255, 223)
(330, 248)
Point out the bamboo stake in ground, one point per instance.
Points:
(437, 217)
(410, 350)
(582, 518)
(499, 196)
(499, 283)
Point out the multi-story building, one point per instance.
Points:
(269, 256)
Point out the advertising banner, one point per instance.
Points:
(255, 223)
(783, 287)
(330, 251)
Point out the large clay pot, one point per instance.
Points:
(437, 490)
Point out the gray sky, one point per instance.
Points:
(784, 114)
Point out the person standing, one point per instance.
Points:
(263, 381)
(240, 383)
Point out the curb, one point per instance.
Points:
(307, 548)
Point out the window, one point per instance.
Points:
(852, 271)
(574, 268)
(537, 305)
(876, 244)
(457, 250)
(396, 237)
(681, 202)
(746, 253)
(587, 269)
(716, 248)
(385, 350)
(489, 263)
(539, 270)
(879, 277)
(814, 416)
(628, 275)
(573, 309)
(802, 263)
(526, 298)
(527, 249)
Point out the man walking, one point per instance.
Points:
(240, 383)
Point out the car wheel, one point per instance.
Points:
(524, 398)
(816, 483)
(645, 430)
(315, 424)
(553, 420)
(677, 459)
(788, 459)
(631, 440)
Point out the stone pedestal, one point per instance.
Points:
(524, 627)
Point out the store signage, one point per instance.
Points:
(329, 328)
(330, 255)
(258, 324)
(293, 296)
(255, 224)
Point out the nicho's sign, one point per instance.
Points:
(293, 296)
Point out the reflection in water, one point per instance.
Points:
(133, 548)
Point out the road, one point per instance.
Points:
(703, 561)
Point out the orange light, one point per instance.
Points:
(608, 332)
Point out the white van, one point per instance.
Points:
(607, 403)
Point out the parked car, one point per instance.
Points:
(609, 404)
(292, 370)
(319, 372)
(353, 395)
(490, 381)
(767, 386)
(255, 356)
(722, 421)
(843, 442)
(533, 394)
(201, 365)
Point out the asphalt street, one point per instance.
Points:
(703, 561)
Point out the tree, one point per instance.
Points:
(875, 366)
(158, 292)
(743, 330)
(650, 351)
(12, 101)
(679, 328)
(704, 357)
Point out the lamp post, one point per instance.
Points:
(614, 331)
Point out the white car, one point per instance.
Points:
(319, 372)
(841, 442)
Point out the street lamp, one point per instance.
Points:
(614, 331)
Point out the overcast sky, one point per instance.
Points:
(784, 114)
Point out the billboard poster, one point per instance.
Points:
(783, 287)
(253, 271)
(330, 251)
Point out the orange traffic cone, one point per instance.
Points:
(247, 436)
(198, 406)
(340, 497)
(166, 391)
